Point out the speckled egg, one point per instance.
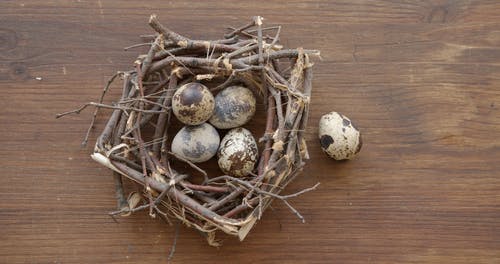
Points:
(234, 107)
(237, 153)
(196, 143)
(338, 136)
(193, 103)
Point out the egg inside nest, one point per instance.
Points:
(256, 125)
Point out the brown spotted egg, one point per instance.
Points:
(193, 103)
(234, 107)
(338, 136)
(238, 152)
(196, 143)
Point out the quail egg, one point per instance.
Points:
(196, 143)
(338, 136)
(234, 107)
(238, 152)
(193, 103)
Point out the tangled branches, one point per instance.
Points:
(246, 55)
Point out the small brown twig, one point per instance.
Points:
(165, 116)
(106, 88)
(174, 243)
(240, 29)
(137, 46)
(192, 165)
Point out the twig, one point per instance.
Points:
(192, 165)
(186, 42)
(239, 63)
(295, 211)
(92, 121)
(157, 44)
(240, 29)
(137, 46)
(174, 243)
(258, 190)
(98, 105)
(165, 116)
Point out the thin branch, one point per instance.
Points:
(174, 243)
(192, 165)
(240, 29)
(137, 46)
(106, 88)
(98, 105)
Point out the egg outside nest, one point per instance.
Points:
(193, 103)
(338, 136)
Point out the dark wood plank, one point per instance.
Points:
(420, 79)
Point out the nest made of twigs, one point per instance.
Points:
(246, 56)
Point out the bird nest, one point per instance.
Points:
(135, 145)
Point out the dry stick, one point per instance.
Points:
(149, 58)
(271, 109)
(241, 51)
(239, 63)
(98, 105)
(242, 207)
(117, 178)
(137, 46)
(160, 85)
(244, 42)
(173, 51)
(248, 185)
(174, 194)
(137, 134)
(162, 169)
(250, 36)
(125, 160)
(225, 84)
(157, 200)
(269, 195)
(264, 29)
(205, 188)
(276, 38)
(174, 244)
(294, 211)
(146, 118)
(148, 37)
(186, 42)
(226, 199)
(163, 149)
(233, 42)
(94, 116)
(240, 29)
(192, 165)
(279, 106)
(258, 21)
(110, 125)
(146, 102)
(165, 116)
(272, 157)
(308, 75)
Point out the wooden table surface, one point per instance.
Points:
(421, 79)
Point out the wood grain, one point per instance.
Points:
(421, 79)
